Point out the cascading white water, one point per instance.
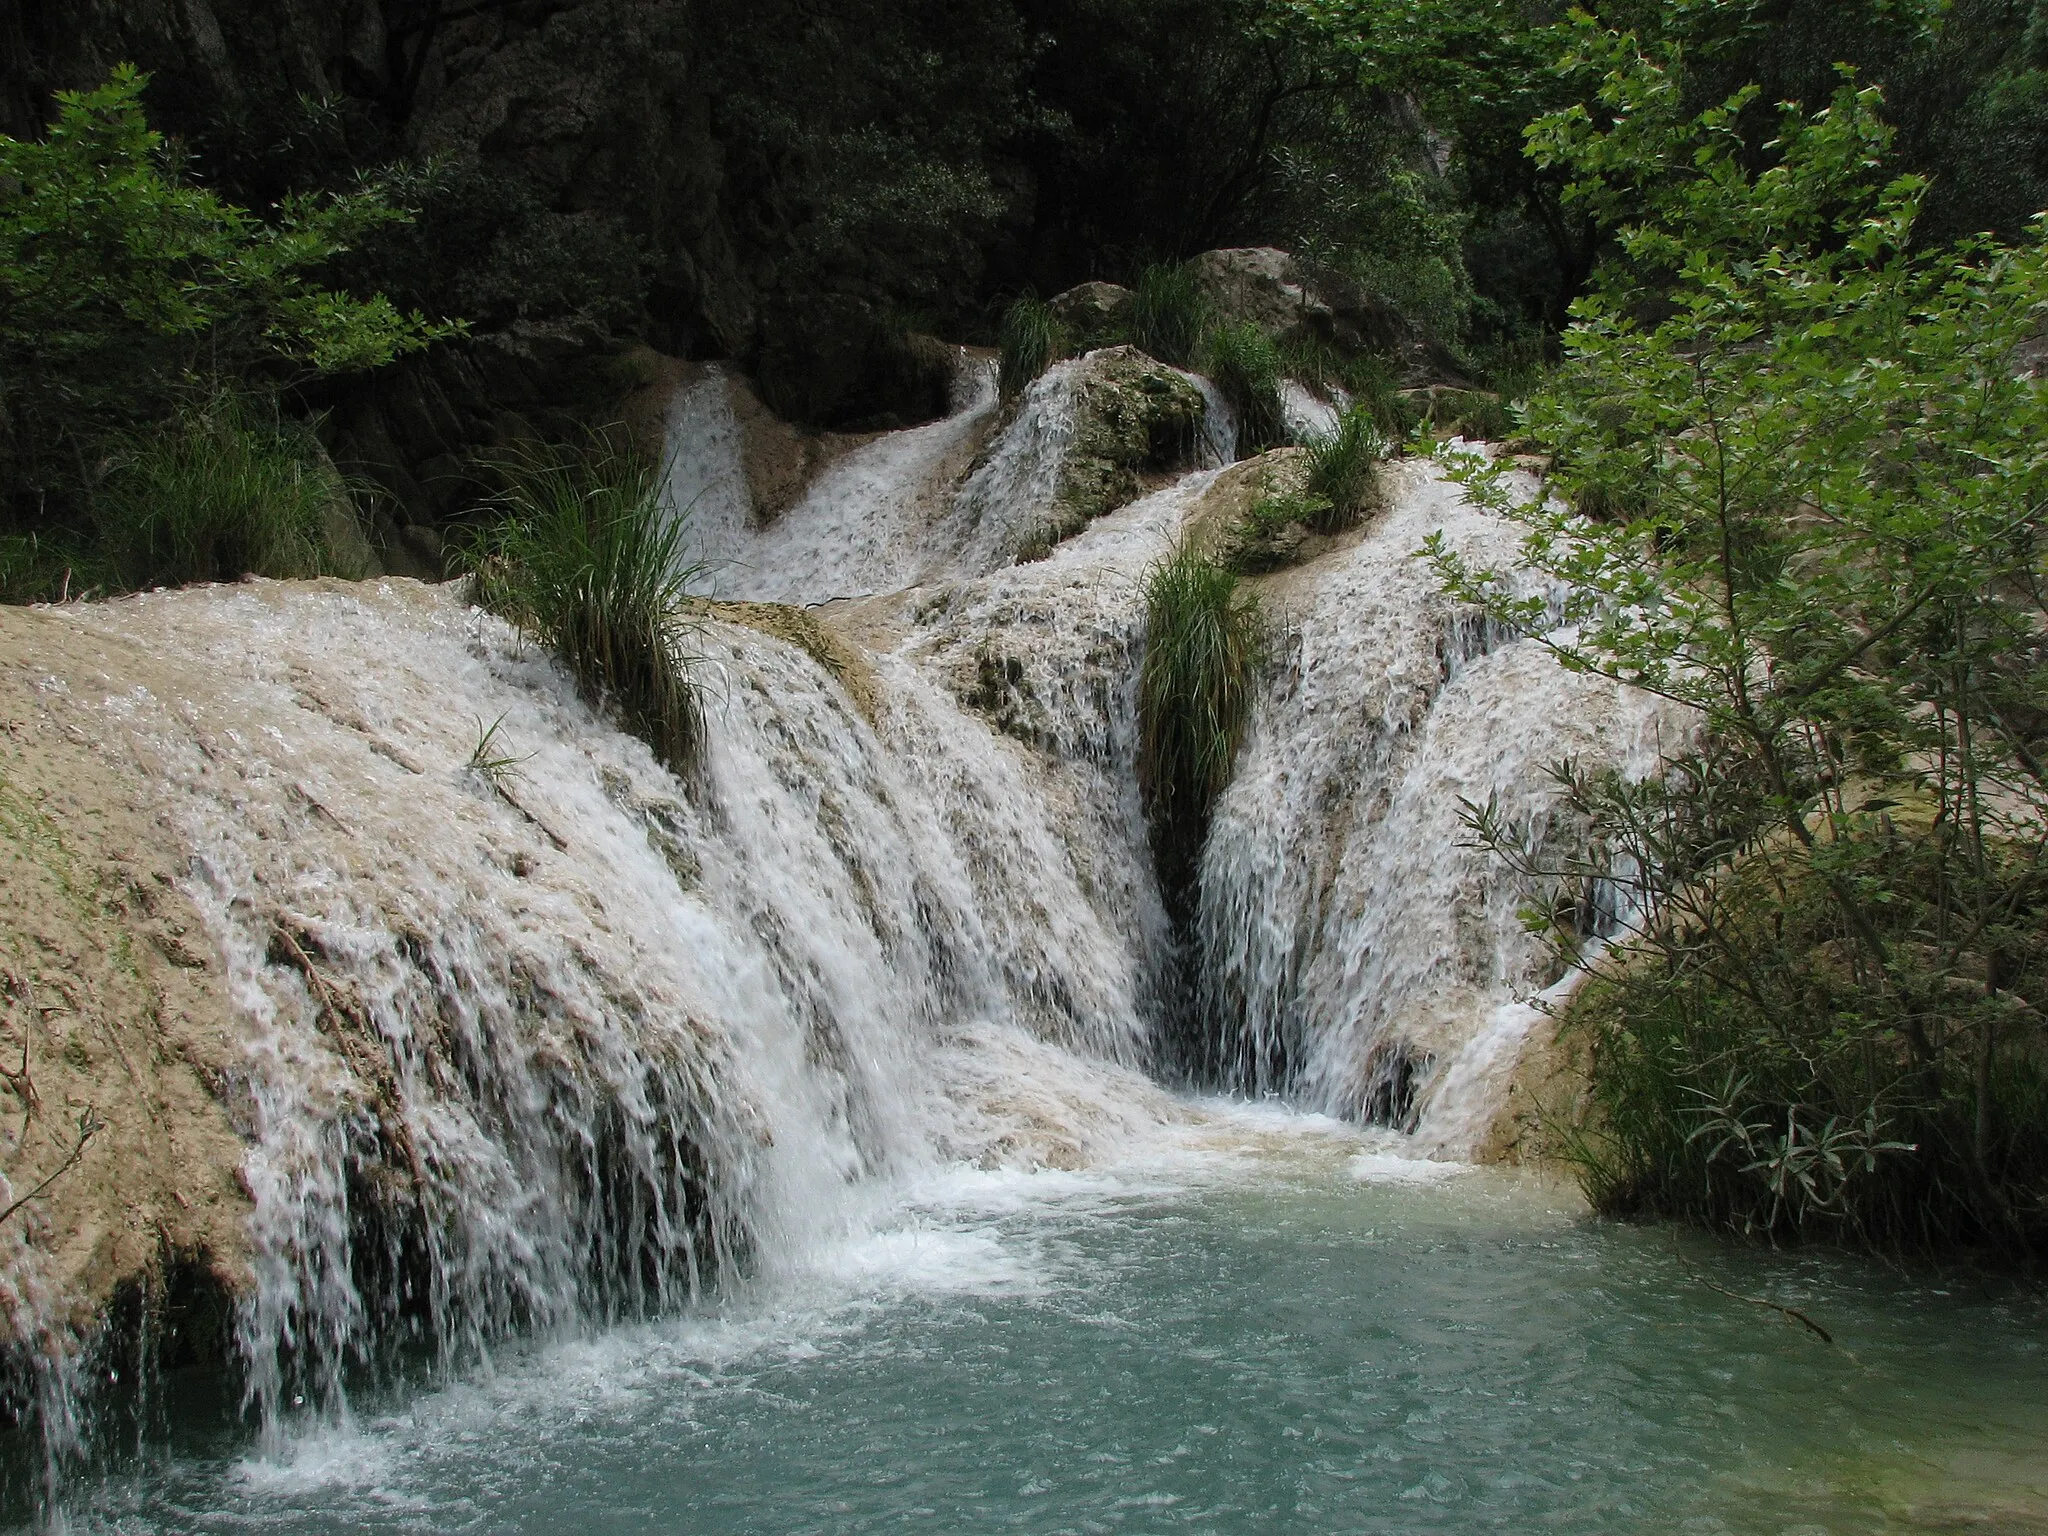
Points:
(1309, 416)
(550, 1045)
(617, 1035)
(1351, 935)
(864, 526)
(906, 509)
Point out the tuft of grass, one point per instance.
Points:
(224, 493)
(1170, 313)
(490, 762)
(1311, 361)
(1343, 471)
(587, 559)
(1204, 635)
(1246, 367)
(1032, 340)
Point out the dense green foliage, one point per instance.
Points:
(1031, 341)
(1826, 1011)
(131, 303)
(1245, 366)
(1203, 639)
(1964, 81)
(586, 557)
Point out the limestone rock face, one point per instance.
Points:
(1131, 415)
(1092, 312)
(1259, 284)
(1283, 297)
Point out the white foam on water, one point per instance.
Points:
(1358, 951)
(1397, 1168)
(865, 525)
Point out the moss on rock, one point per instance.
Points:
(1132, 416)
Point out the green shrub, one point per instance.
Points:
(1203, 637)
(1343, 470)
(1032, 341)
(1827, 1013)
(1476, 414)
(1246, 368)
(120, 282)
(1375, 387)
(1269, 535)
(1766, 1092)
(1170, 314)
(588, 559)
(223, 494)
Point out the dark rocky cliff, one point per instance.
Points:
(574, 191)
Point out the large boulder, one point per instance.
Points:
(1092, 314)
(1287, 298)
(1131, 416)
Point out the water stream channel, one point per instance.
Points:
(787, 1151)
(1260, 1321)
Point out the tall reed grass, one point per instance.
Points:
(587, 557)
(1170, 314)
(229, 490)
(1032, 340)
(1204, 634)
(1246, 367)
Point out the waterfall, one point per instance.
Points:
(555, 1041)
(570, 1042)
(867, 524)
(1357, 952)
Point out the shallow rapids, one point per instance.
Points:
(1255, 1322)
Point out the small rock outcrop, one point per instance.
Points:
(1092, 314)
(1132, 416)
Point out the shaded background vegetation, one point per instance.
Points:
(799, 186)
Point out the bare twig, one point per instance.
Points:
(89, 1126)
(1758, 1301)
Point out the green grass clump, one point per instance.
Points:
(1032, 340)
(588, 560)
(1343, 470)
(38, 569)
(1170, 313)
(1375, 388)
(1246, 367)
(1312, 361)
(1203, 638)
(1268, 536)
(224, 493)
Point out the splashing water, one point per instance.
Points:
(569, 1044)
(1356, 951)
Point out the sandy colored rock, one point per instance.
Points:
(801, 628)
(113, 1005)
(1259, 284)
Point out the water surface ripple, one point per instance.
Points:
(1276, 1328)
